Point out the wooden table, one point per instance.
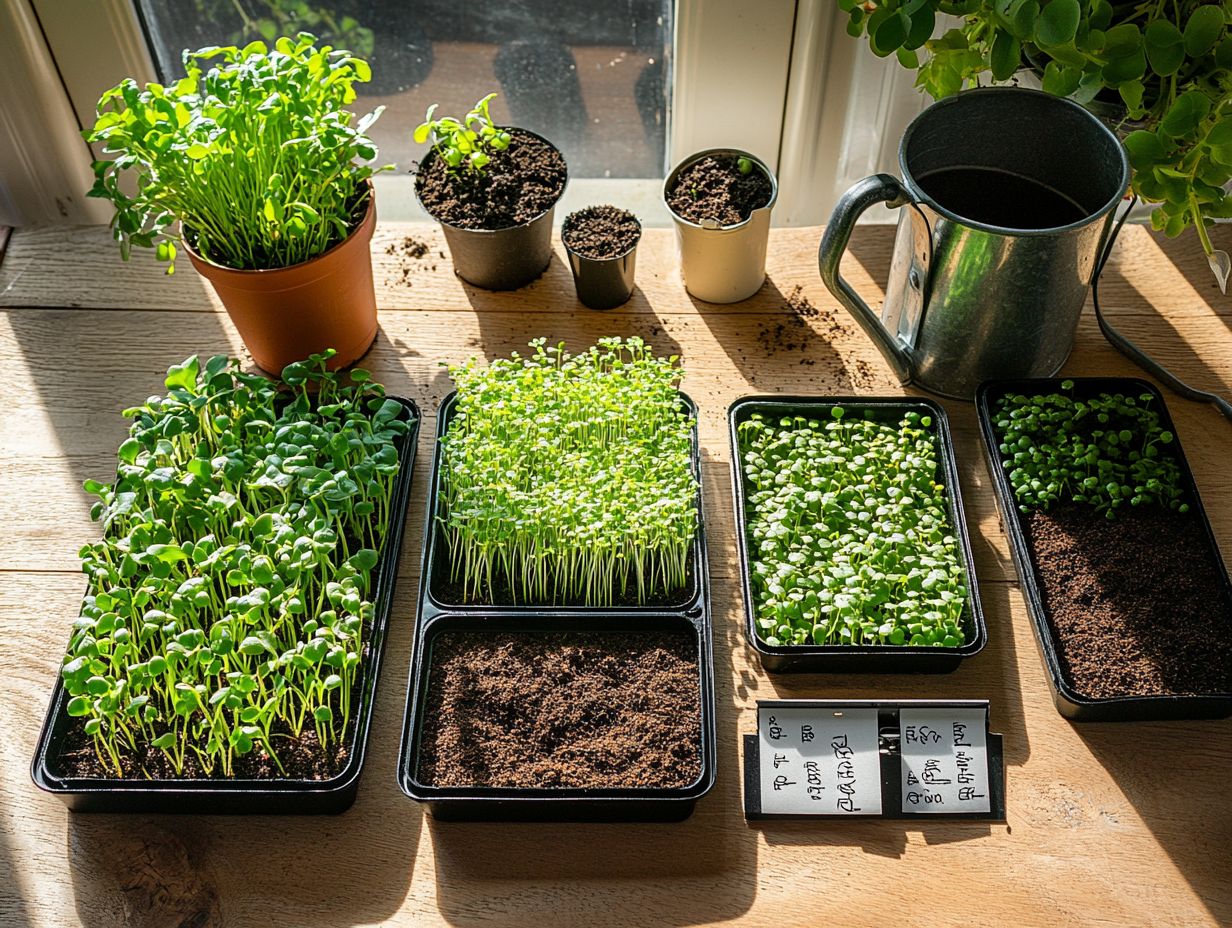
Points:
(1108, 824)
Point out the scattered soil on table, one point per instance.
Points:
(601, 232)
(410, 251)
(795, 331)
(1135, 603)
(518, 185)
(574, 709)
(714, 189)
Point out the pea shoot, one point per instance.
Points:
(850, 536)
(228, 597)
(1107, 451)
(568, 478)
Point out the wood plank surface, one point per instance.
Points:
(1108, 824)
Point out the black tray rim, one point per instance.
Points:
(691, 602)
(121, 793)
(813, 657)
(1069, 702)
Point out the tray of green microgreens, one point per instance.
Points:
(1120, 570)
(226, 655)
(853, 545)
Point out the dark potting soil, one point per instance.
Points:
(600, 232)
(573, 709)
(714, 189)
(1135, 603)
(519, 184)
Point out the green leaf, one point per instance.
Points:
(1145, 149)
(1006, 56)
(1186, 112)
(183, 375)
(1165, 48)
(196, 151)
(1058, 23)
(1131, 93)
(1061, 80)
(1204, 28)
(887, 32)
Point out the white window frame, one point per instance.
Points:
(780, 78)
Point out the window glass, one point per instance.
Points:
(592, 77)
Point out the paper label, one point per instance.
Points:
(819, 761)
(944, 760)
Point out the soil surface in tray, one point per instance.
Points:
(519, 184)
(1135, 603)
(559, 710)
(601, 232)
(714, 188)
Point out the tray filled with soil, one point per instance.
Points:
(602, 245)
(854, 550)
(549, 717)
(571, 482)
(1120, 570)
(229, 644)
(564, 613)
(494, 190)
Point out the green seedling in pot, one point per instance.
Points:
(568, 478)
(849, 533)
(1108, 451)
(466, 143)
(229, 597)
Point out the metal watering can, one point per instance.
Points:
(1006, 199)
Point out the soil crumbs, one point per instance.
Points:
(1135, 603)
(714, 189)
(562, 710)
(519, 184)
(410, 253)
(601, 232)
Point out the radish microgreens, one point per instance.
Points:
(228, 598)
(253, 151)
(467, 142)
(568, 478)
(1106, 451)
(850, 536)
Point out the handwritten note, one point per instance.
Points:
(819, 762)
(945, 760)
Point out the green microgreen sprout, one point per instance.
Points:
(253, 151)
(1106, 451)
(464, 143)
(228, 602)
(744, 165)
(568, 478)
(849, 531)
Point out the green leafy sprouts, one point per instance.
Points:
(849, 532)
(254, 152)
(1170, 64)
(228, 602)
(466, 143)
(568, 478)
(1107, 451)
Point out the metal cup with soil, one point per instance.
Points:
(498, 221)
(720, 200)
(1132, 608)
(602, 245)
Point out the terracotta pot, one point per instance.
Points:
(286, 314)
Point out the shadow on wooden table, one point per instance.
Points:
(13, 908)
(1170, 773)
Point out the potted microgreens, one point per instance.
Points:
(1122, 575)
(494, 191)
(256, 157)
(602, 245)
(1168, 67)
(720, 201)
(228, 644)
(853, 544)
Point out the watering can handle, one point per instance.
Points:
(875, 189)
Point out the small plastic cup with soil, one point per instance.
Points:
(496, 210)
(720, 201)
(602, 246)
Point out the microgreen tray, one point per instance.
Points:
(1070, 703)
(436, 599)
(480, 803)
(249, 796)
(859, 658)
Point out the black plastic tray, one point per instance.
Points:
(237, 795)
(433, 602)
(857, 658)
(492, 804)
(1069, 702)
